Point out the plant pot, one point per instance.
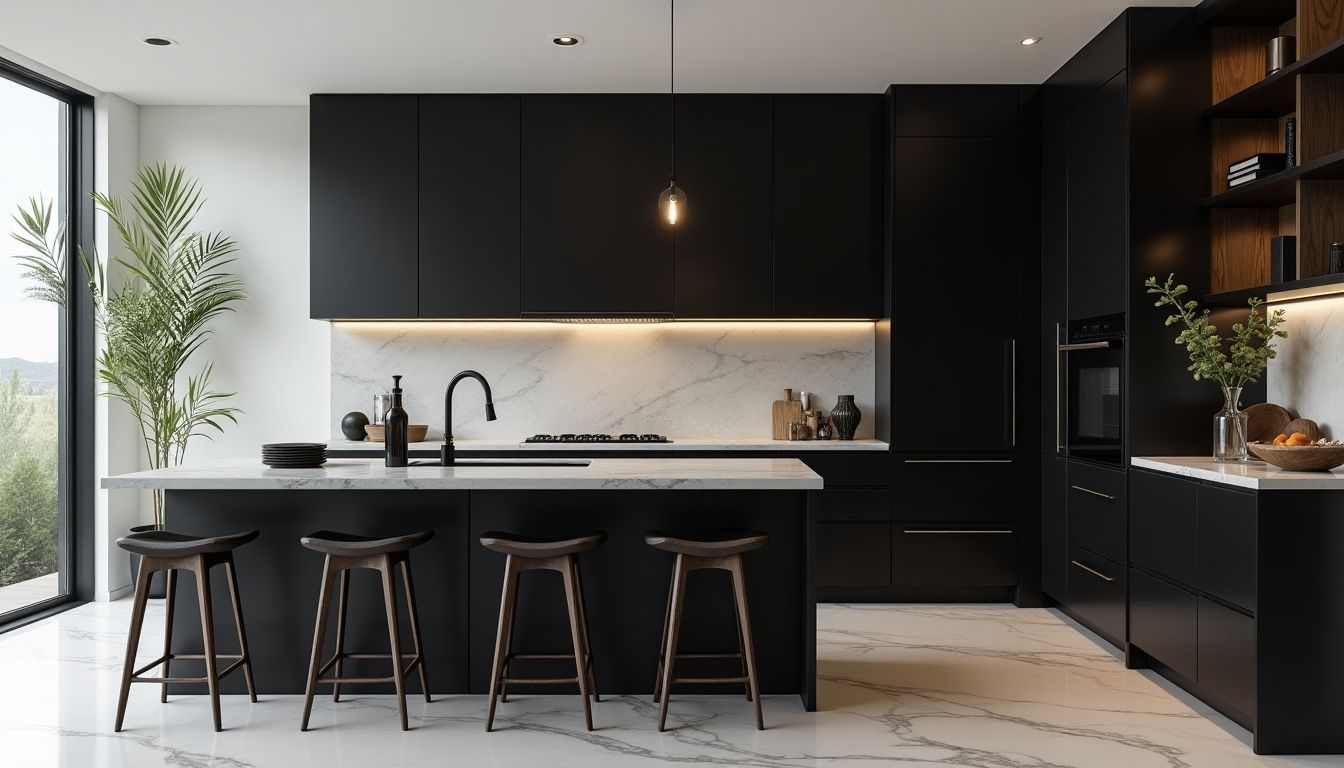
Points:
(158, 587)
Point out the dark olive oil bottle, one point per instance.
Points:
(396, 432)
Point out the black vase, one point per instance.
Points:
(158, 587)
(352, 426)
(846, 417)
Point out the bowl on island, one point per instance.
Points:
(415, 432)
(1320, 456)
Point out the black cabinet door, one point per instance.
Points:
(1054, 280)
(469, 206)
(724, 259)
(965, 488)
(362, 170)
(593, 167)
(1227, 659)
(1096, 593)
(1097, 509)
(1162, 534)
(1163, 621)
(1054, 528)
(828, 192)
(1097, 202)
(1228, 545)
(952, 243)
(962, 555)
(853, 554)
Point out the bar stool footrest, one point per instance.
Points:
(415, 660)
(710, 680)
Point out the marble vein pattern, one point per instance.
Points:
(1304, 377)
(982, 686)
(371, 474)
(686, 380)
(1256, 475)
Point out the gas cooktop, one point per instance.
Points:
(629, 437)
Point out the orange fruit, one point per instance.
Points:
(1281, 439)
(1297, 438)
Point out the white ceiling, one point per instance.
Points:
(279, 51)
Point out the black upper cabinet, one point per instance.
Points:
(828, 193)
(592, 169)
(952, 241)
(469, 206)
(954, 110)
(362, 170)
(1098, 229)
(724, 263)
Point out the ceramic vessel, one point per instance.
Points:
(846, 417)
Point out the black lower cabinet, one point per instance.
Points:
(1096, 593)
(956, 487)
(1226, 649)
(853, 555)
(1054, 529)
(934, 555)
(1163, 622)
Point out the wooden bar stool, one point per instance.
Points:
(527, 553)
(173, 552)
(344, 553)
(697, 553)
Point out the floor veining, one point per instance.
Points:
(985, 686)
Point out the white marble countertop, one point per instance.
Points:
(1256, 475)
(370, 474)
(335, 447)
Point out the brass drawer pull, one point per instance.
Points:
(1098, 574)
(934, 530)
(1105, 496)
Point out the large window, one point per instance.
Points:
(42, 159)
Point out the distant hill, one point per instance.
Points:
(34, 378)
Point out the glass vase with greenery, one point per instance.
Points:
(155, 321)
(1231, 363)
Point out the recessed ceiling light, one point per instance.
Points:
(1030, 40)
(567, 41)
(159, 42)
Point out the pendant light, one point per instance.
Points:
(672, 202)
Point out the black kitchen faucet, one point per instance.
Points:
(446, 452)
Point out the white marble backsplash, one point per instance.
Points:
(688, 380)
(1307, 377)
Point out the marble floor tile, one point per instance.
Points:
(985, 686)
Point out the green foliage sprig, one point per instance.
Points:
(1232, 363)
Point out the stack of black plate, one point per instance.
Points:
(294, 455)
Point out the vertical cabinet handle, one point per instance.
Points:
(1012, 400)
(1098, 574)
(1059, 388)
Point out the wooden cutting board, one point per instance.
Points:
(782, 413)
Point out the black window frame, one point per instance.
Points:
(76, 393)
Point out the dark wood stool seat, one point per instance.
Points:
(173, 552)
(695, 552)
(346, 552)
(532, 553)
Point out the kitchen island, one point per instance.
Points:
(458, 582)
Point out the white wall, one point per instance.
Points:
(1307, 377)
(252, 163)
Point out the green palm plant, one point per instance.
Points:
(155, 321)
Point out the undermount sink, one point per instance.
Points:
(507, 463)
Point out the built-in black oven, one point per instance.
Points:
(1090, 360)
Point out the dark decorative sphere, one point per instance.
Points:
(352, 426)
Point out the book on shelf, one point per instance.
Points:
(1236, 181)
(1290, 143)
(1268, 161)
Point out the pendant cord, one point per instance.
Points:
(672, 79)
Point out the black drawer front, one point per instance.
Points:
(854, 505)
(858, 469)
(1163, 622)
(953, 556)
(853, 555)
(1097, 510)
(1097, 593)
(1162, 525)
(1227, 545)
(956, 488)
(1227, 656)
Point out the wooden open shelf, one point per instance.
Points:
(1279, 189)
(1311, 287)
(1276, 95)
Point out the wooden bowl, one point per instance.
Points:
(374, 432)
(1305, 458)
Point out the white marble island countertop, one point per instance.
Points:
(1255, 475)
(337, 447)
(597, 474)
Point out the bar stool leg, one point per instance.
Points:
(673, 628)
(662, 644)
(208, 634)
(319, 634)
(744, 623)
(576, 635)
(133, 637)
(741, 646)
(170, 597)
(587, 637)
(415, 625)
(394, 636)
(507, 602)
(238, 622)
(341, 602)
